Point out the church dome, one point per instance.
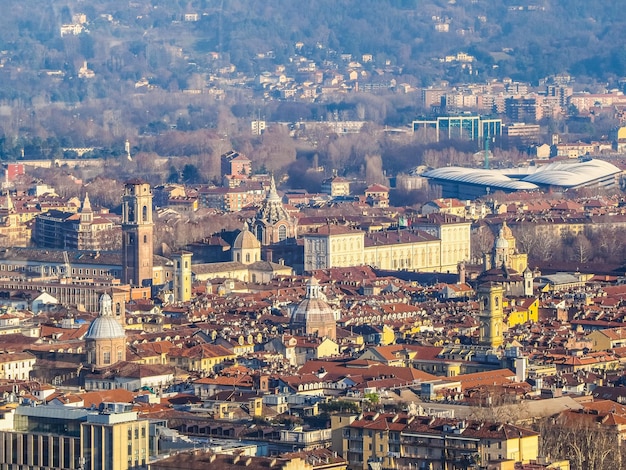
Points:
(313, 311)
(246, 241)
(105, 327)
(501, 241)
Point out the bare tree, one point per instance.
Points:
(607, 242)
(481, 242)
(588, 444)
(374, 170)
(544, 247)
(582, 248)
(526, 237)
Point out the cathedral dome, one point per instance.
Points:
(105, 327)
(313, 314)
(246, 241)
(501, 241)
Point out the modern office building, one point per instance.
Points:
(58, 437)
(463, 127)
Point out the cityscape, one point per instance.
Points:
(225, 244)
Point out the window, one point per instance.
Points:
(107, 357)
(282, 232)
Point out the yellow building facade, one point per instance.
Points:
(521, 312)
(115, 441)
(491, 315)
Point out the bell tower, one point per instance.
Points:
(137, 233)
(490, 315)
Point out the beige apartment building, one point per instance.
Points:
(332, 246)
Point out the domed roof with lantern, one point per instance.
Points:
(105, 326)
(501, 241)
(313, 315)
(246, 240)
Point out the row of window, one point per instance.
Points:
(13, 365)
(57, 269)
(135, 431)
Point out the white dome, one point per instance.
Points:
(105, 327)
(502, 242)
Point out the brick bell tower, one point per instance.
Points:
(137, 233)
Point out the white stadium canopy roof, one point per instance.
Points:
(566, 174)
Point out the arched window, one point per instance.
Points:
(144, 214)
(247, 257)
(282, 232)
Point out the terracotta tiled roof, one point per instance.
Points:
(117, 395)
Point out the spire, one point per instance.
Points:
(86, 204)
(273, 194)
(272, 209)
(86, 214)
